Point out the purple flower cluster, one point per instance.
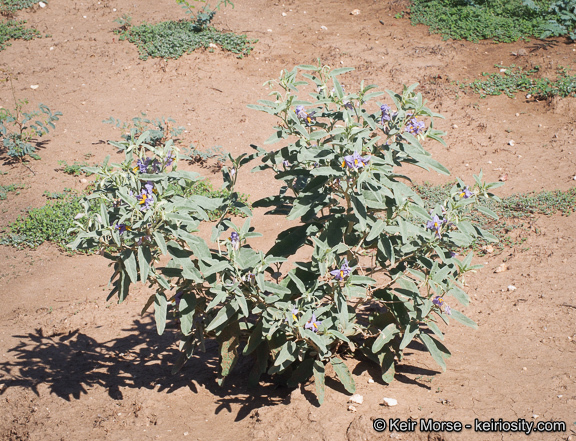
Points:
(439, 302)
(146, 198)
(355, 161)
(342, 272)
(313, 324)
(415, 127)
(235, 240)
(122, 228)
(435, 224)
(149, 165)
(466, 193)
(385, 113)
(308, 118)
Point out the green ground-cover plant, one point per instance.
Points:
(379, 271)
(5, 189)
(515, 79)
(9, 7)
(14, 30)
(503, 21)
(172, 39)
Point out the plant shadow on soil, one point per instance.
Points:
(71, 363)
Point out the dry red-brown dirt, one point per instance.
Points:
(75, 367)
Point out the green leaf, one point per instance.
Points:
(229, 339)
(319, 380)
(129, 261)
(376, 229)
(459, 317)
(187, 309)
(255, 338)
(302, 373)
(222, 317)
(385, 336)
(148, 304)
(409, 334)
(340, 71)
(388, 368)
(160, 242)
(144, 260)
(343, 374)
(487, 212)
(436, 354)
(160, 312)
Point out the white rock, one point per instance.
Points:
(389, 402)
(512, 288)
(356, 399)
(34, 86)
(269, 30)
(355, 12)
(84, 181)
(284, 14)
(324, 28)
(511, 142)
(42, 4)
(370, 381)
(535, 416)
(574, 178)
(454, 126)
(517, 114)
(502, 70)
(352, 408)
(213, 46)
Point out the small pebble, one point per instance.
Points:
(511, 142)
(454, 126)
(284, 14)
(524, 368)
(351, 408)
(324, 28)
(42, 4)
(512, 288)
(559, 396)
(355, 12)
(370, 381)
(356, 399)
(389, 402)
(535, 416)
(501, 268)
(34, 86)
(517, 114)
(269, 30)
(84, 181)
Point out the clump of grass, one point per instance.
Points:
(172, 39)
(75, 169)
(514, 79)
(516, 213)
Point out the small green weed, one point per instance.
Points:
(58, 195)
(514, 79)
(75, 169)
(9, 7)
(5, 189)
(159, 130)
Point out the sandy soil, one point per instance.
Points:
(75, 367)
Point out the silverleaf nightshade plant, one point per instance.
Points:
(379, 264)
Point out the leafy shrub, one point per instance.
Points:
(5, 189)
(379, 269)
(18, 129)
(202, 18)
(159, 130)
(563, 20)
(75, 169)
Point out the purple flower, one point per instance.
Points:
(435, 224)
(169, 159)
(235, 240)
(342, 272)
(439, 302)
(286, 163)
(385, 113)
(178, 297)
(308, 118)
(466, 193)
(355, 161)
(146, 198)
(415, 127)
(313, 324)
(348, 105)
(122, 228)
(142, 166)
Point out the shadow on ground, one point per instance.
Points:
(70, 364)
